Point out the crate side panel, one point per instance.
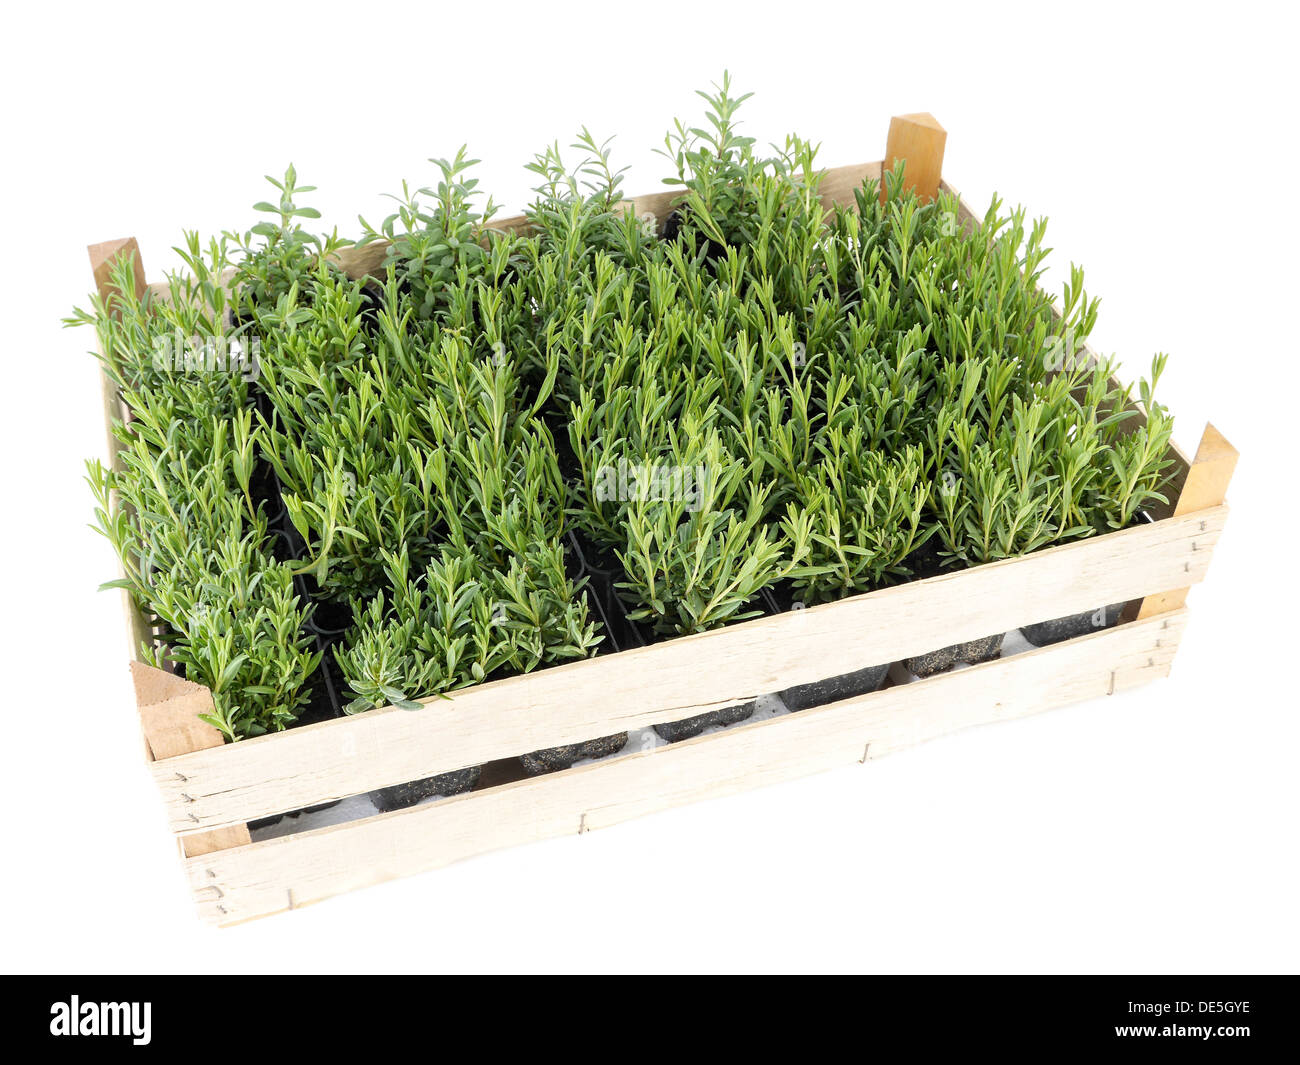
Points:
(677, 678)
(275, 875)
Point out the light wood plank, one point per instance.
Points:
(279, 874)
(677, 678)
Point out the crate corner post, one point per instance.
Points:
(103, 257)
(918, 140)
(169, 709)
(1206, 486)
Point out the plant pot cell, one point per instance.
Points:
(553, 759)
(1073, 625)
(972, 652)
(687, 727)
(401, 796)
(833, 689)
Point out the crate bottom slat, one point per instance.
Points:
(280, 874)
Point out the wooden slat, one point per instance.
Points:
(1205, 485)
(677, 678)
(279, 874)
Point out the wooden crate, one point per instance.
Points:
(212, 790)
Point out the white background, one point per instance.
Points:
(1153, 831)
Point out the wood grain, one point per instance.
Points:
(291, 871)
(677, 678)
